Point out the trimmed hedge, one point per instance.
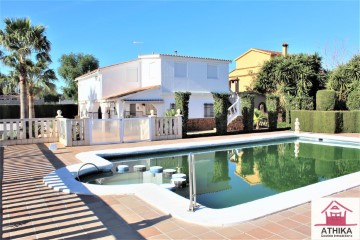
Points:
(247, 111)
(182, 103)
(41, 111)
(297, 103)
(325, 100)
(221, 105)
(272, 103)
(327, 121)
(353, 101)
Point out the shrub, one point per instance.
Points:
(182, 103)
(221, 105)
(325, 100)
(247, 111)
(272, 103)
(353, 102)
(351, 121)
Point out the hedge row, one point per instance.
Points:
(327, 121)
(247, 111)
(41, 111)
(272, 103)
(221, 105)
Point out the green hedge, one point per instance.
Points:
(353, 101)
(327, 121)
(325, 100)
(182, 103)
(272, 103)
(221, 105)
(41, 111)
(247, 111)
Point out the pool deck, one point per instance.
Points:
(30, 210)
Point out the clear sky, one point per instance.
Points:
(215, 29)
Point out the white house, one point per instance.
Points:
(132, 89)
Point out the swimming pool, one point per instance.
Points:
(230, 175)
(168, 202)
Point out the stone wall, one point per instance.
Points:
(236, 124)
(200, 124)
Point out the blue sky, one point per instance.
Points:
(217, 29)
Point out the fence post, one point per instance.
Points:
(179, 124)
(68, 132)
(152, 127)
(87, 130)
(122, 130)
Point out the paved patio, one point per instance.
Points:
(33, 211)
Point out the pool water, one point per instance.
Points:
(232, 175)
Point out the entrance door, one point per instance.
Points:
(133, 110)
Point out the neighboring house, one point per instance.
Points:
(242, 78)
(134, 88)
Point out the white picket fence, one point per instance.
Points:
(80, 132)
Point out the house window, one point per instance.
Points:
(180, 70)
(208, 110)
(212, 71)
(172, 105)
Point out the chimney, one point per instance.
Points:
(285, 49)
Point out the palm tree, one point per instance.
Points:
(40, 82)
(21, 40)
(8, 83)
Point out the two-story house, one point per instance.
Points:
(134, 88)
(248, 65)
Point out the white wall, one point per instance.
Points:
(196, 79)
(89, 89)
(150, 72)
(116, 78)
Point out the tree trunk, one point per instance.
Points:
(31, 106)
(23, 97)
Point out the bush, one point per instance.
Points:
(221, 105)
(325, 100)
(182, 103)
(247, 111)
(353, 102)
(351, 121)
(327, 121)
(272, 103)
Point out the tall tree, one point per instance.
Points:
(21, 41)
(72, 66)
(298, 75)
(40, 82)
(345, 78)
(8, 83)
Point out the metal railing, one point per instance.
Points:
(192, 183)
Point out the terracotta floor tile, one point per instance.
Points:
(290, 234)
(149, 232)
(289, 223)
(259, 233)
(306, 230)
(275, 228)
(180, 234)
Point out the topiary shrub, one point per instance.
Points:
(221, 105)
(247, 111)
(325, 100)
(353, 101)
(351, 121)
(182, 103)
(272, 103)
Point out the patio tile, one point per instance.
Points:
(149, 232)
(259, 233)
(288, 223)
(275, 228)
(228, 232)
(209, 235)
(180, 234)
(306, 230)
(290, 234)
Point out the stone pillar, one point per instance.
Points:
(179, 123)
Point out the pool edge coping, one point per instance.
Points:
(176, 206)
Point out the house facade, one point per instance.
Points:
(248, 65)
(148, 84)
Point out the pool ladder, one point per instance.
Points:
(78, 172)
(192, 183)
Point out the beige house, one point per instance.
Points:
(242, 78)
